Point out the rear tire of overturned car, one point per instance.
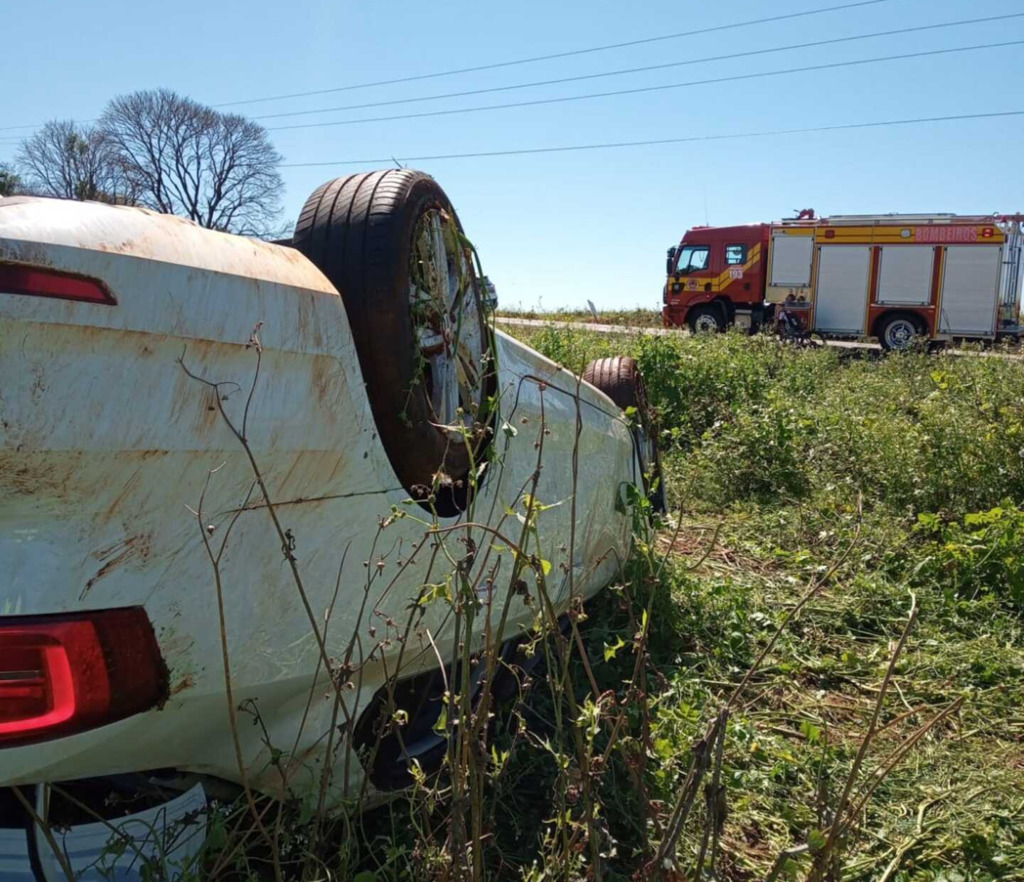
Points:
(620, 379)
(392, 245)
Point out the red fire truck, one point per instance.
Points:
(891, 276)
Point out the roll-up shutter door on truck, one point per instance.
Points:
(841, 296)
(791, 260)
(969, 290)
(905, 275)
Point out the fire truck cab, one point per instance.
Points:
(896, 277)
(716, 278)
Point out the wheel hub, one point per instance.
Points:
(899, 334)
(448, 324)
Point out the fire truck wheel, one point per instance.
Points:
(898, 330)
(620, 379)
(391, 244)
(706, 320)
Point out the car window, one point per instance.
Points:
(693, 258)
(735, 255)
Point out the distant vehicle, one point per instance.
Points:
(891, 276)
(135, 427)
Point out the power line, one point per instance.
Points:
(38, 125)
(660, 141)
(632, 70)
(642, 89)
(568, 54)
(530, 60)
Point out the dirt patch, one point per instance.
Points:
(117, 555)
(186, 682)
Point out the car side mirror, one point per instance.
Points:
(670, 260)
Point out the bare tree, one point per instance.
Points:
(72, 161)
(182, 157)
(10, 180)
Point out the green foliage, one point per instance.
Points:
(762, 420)
(10, 181)
(697, 383)
(983, 554)
(574, 348)
(899, 471)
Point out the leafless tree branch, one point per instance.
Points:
(217, 169)
(72, 161)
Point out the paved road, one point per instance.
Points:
(589, 326)
(641, 329)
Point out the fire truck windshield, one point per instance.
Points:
(692, 258)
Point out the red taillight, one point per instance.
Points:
(18, 279)
(64, 674)
(987, 233)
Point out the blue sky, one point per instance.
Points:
(555, 230)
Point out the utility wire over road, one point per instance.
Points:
(696, 138)
(555, 55)
(530, 60)
(631, 70)
(860, 62)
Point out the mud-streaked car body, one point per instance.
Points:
(126, 355)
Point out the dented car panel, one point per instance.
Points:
(112, 438)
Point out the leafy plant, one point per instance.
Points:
(984, 553)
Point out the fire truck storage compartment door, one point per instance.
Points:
(842, 291)
(791, 260)
(969, 289)
(906, 274)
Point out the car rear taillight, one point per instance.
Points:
(65, 674)
(41, 282)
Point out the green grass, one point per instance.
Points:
(905, 472)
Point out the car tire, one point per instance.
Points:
(706, 320)
(620, 379)
(897, 330)
(392, 245)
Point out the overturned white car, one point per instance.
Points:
(265, 481)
